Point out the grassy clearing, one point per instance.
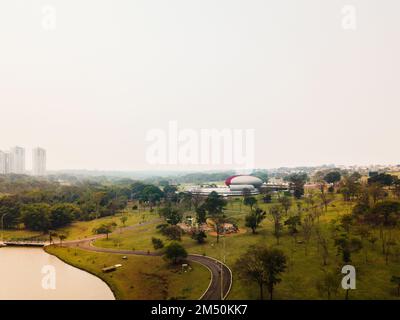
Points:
(140, 277)
(84, 229)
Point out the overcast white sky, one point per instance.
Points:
(89, 89)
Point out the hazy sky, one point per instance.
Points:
(90, 87)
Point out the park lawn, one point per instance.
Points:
(140, 277)
(84, 229)
(299, 280)
(134, 239)
(22, 234)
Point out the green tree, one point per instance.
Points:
(292, 223)
(286, 203)
(214, 205)
(201, 214)
(250, 201)
(263, 266)
(105, 228)
(254, 218)
(123, 220)
(276, 215)
(297, 182)
(333, 177)
(172, 215)
(396, 281)
(199, 236)
(328, 284)
(175, 252)
(172, 232)
(346, 246)
(36, 217)
(63, 214)
(10, 207)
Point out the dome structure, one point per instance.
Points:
(243, 180)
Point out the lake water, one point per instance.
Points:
(31, 273)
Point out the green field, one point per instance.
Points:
(299, 281)
(140, 277)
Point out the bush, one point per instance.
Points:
(157, 243)
(199, 236)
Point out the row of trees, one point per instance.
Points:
(41, 205)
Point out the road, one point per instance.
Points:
(221, 276)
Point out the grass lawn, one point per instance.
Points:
(22, 234)
(299, 280)
(84, 229)
(140, 277)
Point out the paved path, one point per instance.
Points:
(221, 276)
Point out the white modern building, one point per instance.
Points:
(237, 185)
(39, 161)
(17, 160)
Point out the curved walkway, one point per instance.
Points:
(221, 275)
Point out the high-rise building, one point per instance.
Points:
(18, 160)
(2, 162)
(5, 162)
(39, 162)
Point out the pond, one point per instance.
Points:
(33, 274)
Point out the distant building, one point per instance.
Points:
(2, 162)
(39, 162)
(5, 162)
(17, 160)
(235, 186)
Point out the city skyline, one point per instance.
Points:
(14, 160)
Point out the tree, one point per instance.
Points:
(63, 214)
(376, 191)
(297, 181)
(275, 263)
(157, 243)
(396, 280)
(276, 215)
(105, 228)
(382, 178)
(307, 227)
(254, 218)
(201, 214)
(323, 243)
(332, 177)
(250, 201)
(292, 223)
(346, 246)
(172, 232)
(199, 236)
(263, 266)
(36, 217)
(175, 252)
(325, 198)
(62, 237)
(214, 205)
(328, 284)
(286, 203)
(172, 215)
(123, 220)
(10, 207)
